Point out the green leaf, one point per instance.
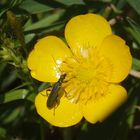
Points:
(45, 22)
(44, 86)
(131, 112)
(54, 27)
(15, 2)
(2, 11)
(13, 95)
(136, 64)
(2, 69)
(84, 127)
(70, 2)
(34, 7)
(134, 30)
(10, 114)
(29, 37)
(2, 133)
(7, 78)
(135, 4)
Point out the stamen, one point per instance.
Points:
(86, 77)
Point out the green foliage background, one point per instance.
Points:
(22, 22)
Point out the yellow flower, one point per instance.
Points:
(96, 62)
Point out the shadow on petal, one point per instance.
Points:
(103, 107)
(64, 115)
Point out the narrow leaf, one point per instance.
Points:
(45, 22)
(136, 64)
(70, 2)
(134, 29)
(13, 95)
(34, 7)
(135, 4)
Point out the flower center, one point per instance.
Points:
(86, 77)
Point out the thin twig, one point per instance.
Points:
(112, 21)
(137, 107)
(135, 73)
(136, 127)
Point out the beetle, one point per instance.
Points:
(53, 96)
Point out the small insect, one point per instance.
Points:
(53, 96)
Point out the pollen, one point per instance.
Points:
(86, 77)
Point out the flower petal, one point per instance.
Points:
(102, 108)
(86, 31)
(45, 59)
(64, 115)
(115, 51)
